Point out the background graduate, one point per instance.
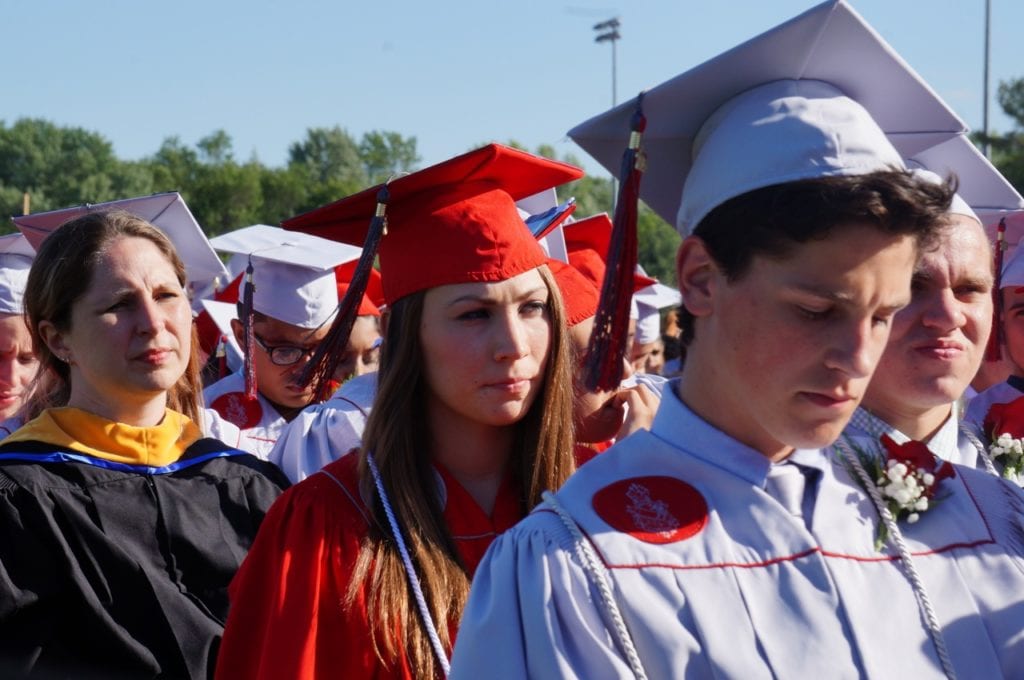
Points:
(471, 422)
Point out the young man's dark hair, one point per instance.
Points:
(773, 220)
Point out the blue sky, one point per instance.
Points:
(451, 73)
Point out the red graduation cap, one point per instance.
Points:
(587, 242)
(454, 222)
(372, 299)
(579, 294)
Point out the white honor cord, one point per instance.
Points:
(595, 571)
(896, 536)
(976, 442)
(414, 581)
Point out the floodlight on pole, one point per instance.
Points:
(608, 31)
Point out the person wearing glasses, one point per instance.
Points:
(294, 296)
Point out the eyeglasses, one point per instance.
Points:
(284, 355)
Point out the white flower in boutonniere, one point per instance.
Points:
(906, 480)
(1005, 426)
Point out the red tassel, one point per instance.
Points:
(994, 349)
(330, 352)
(607, 349)
(249, 346)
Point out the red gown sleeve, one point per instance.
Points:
(287, 616)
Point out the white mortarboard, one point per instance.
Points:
(659, 296)
(844, 71)
(958, 206)
(167, 212)
(649, 302)
(16, 257)
(293, 273)
(222, 313)
(982, 186)
(648, 324)
(540, 211)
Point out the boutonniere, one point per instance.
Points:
(1004, 425)
(906, 480)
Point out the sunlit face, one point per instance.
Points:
(1013, 326)
(649, 357)
(17, 363)
(362, 355)
(485, 348)
(596, 415)
(792, 343)
(278, 383)
(130, 333)
(937, 342)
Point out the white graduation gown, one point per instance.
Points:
(259, 422)
(324, 432)
(726, 583)
(1000, 393)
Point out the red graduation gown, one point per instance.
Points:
(287, 617)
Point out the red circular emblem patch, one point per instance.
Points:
(653, 509)
(235, 408)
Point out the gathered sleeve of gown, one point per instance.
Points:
(318, 436)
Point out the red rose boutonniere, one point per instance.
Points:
(1004, 426)
(906, 479)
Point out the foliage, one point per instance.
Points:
(1007, 150)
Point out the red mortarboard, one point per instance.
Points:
(579, 294)
(374, 295)
(587, 241)
(454, 222)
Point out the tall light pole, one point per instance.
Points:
(608, 31)
(984, 104)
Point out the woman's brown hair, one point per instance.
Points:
(396, 433)
(62, 273)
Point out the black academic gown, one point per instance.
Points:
(112, 570)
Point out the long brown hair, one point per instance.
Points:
(395, 432)
(62, 273)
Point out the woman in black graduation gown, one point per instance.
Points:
(120, 525)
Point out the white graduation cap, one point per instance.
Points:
(166, 211)
(982, 186)
(804, 99)
(16, 256)
(659, 296)
(222, 313)
(293, 273)
(649, 303)
(542, 209)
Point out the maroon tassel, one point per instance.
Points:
(222, 357)
(994, 349)
(249, 346)
(607, 349)
(330, 352)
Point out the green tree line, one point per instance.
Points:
(59, 166)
